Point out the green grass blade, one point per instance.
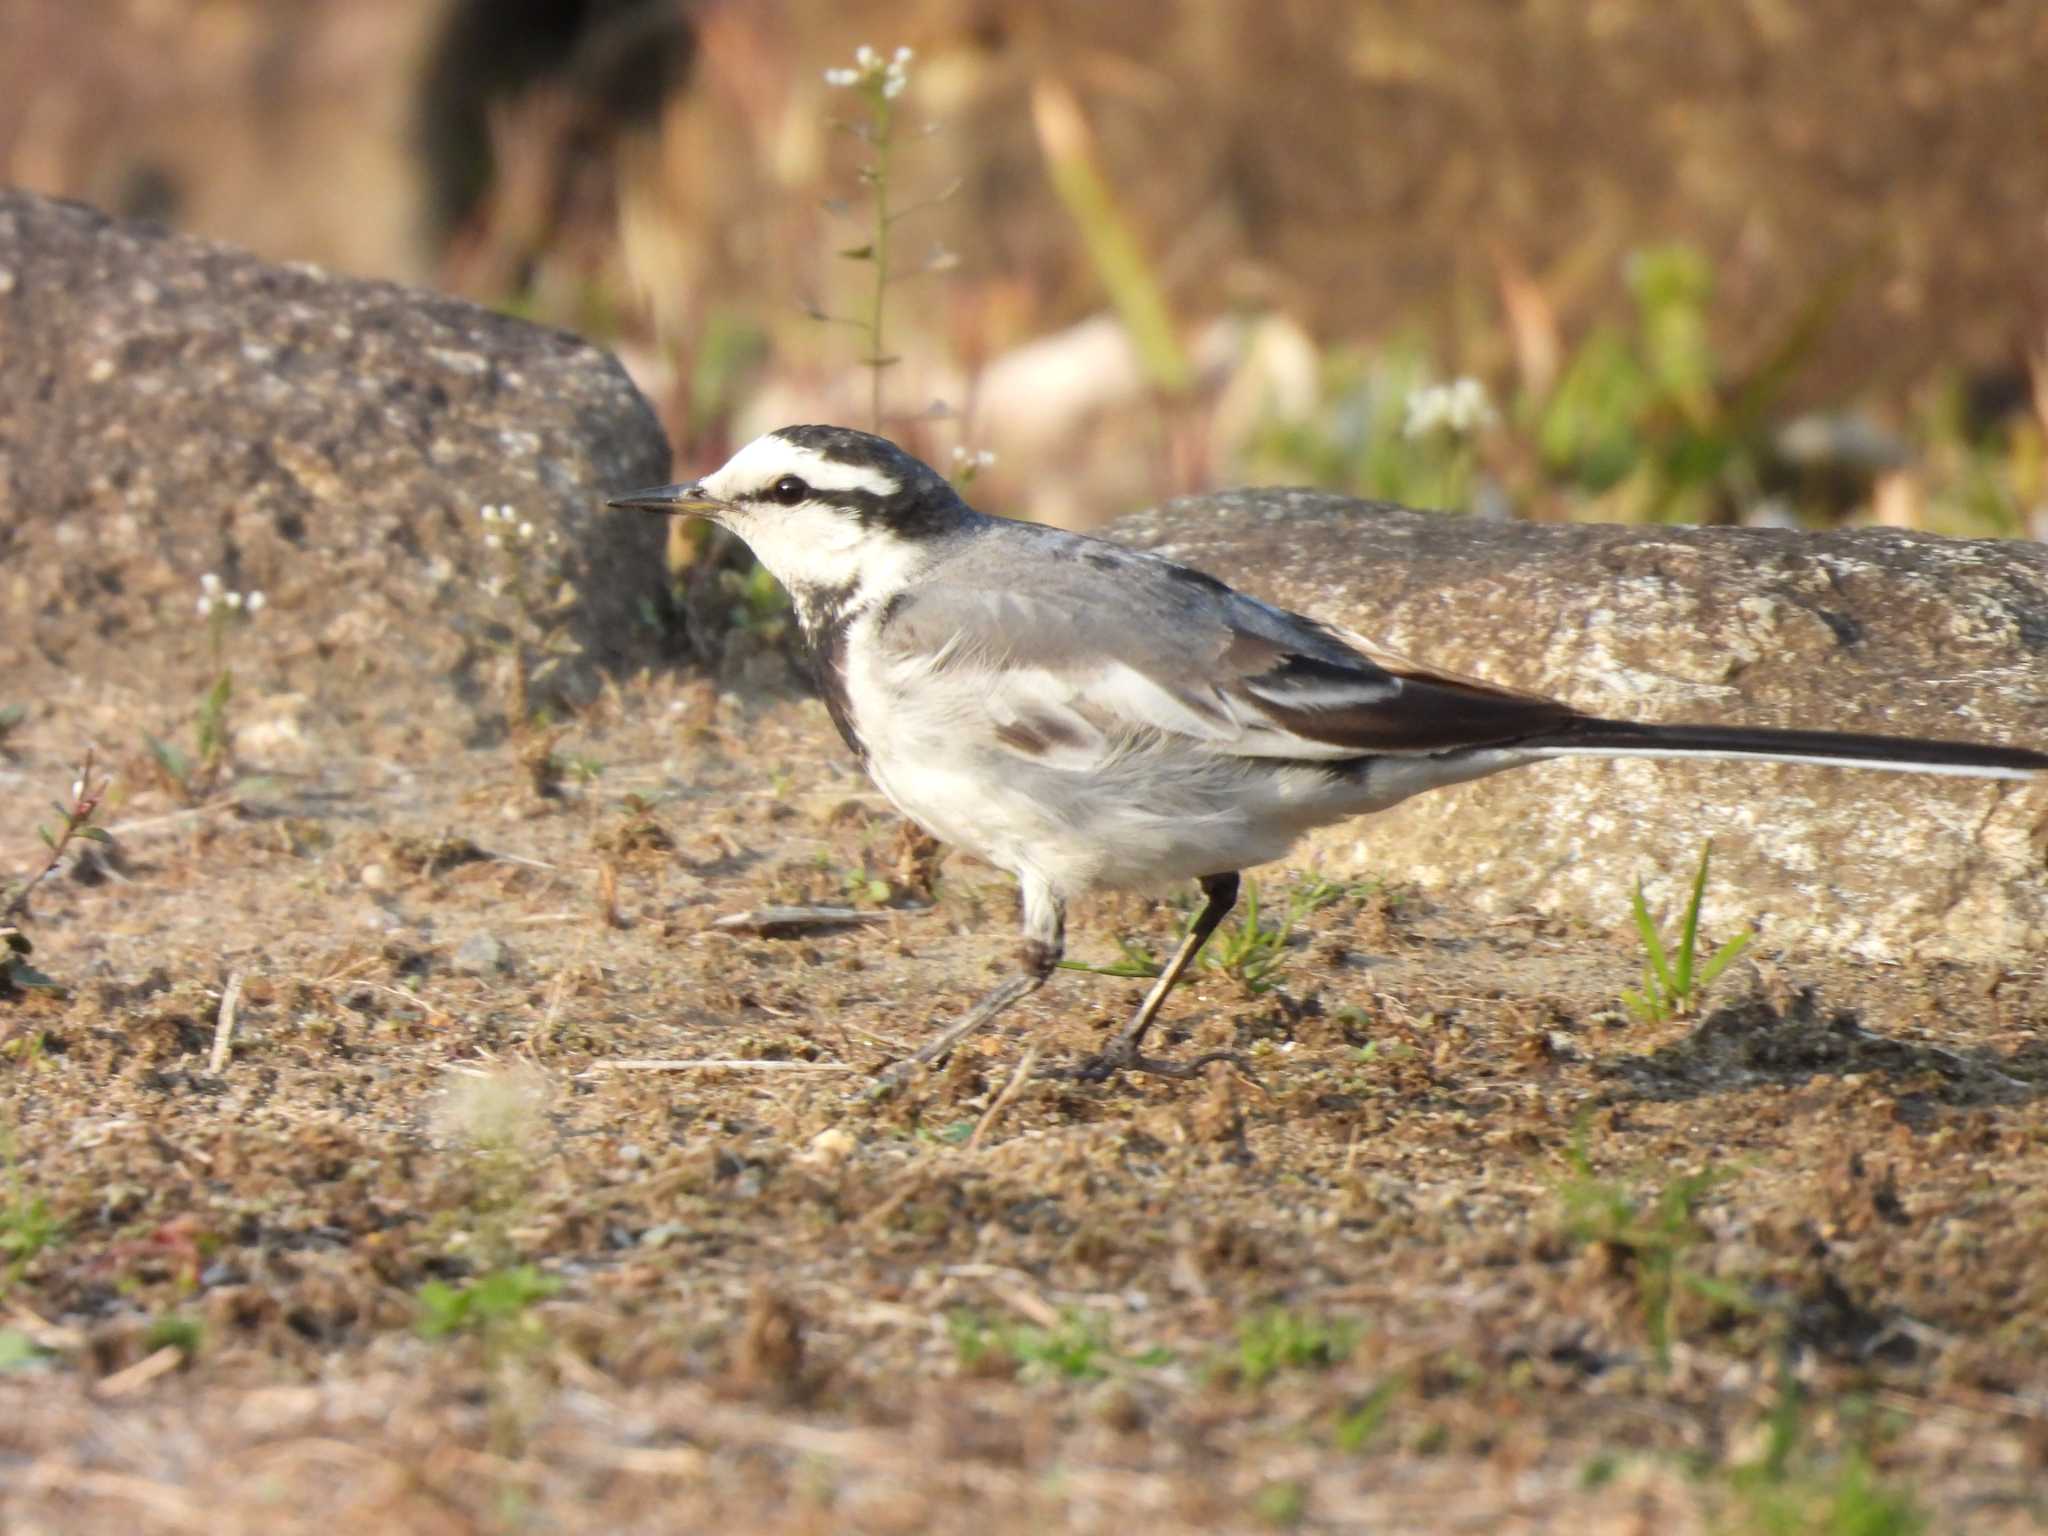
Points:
(1724, 957)
(1689, 938)
(1653, 945)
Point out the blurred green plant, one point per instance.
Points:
(26, 1225)
(1788, 1491)
(1113, 246)
(19, 1352)
(1642, 422)
(496, 1305)
(1638, 417)
(730, 351)
(1278, 1340)
(1980, 480)
(1076, 1348)
(1389, 432)
(1649, 1239)
(173, 1330)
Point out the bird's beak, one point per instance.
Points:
(691, 500)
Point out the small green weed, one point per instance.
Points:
(1076, 1349)
(11, 716)
(494, 1305)
(1674, 981)
(199, 773)
(26, 1229)
(19, 1352)
(1653, 1236)
(78, 820)
(171, 1331)
(1281, 1505)
(1278, 1340)
(1788, 1492)
(1358, 1427)
(1250, 952)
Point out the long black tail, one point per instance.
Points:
(1591, 737)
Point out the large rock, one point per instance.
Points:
(170, 407)
(1857, 630)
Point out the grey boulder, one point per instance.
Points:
(169, 407)
(1867, 629)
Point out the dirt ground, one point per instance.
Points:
(424, 1256)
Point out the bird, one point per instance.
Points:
(1088, 716)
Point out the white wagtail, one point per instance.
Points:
(1086, 716)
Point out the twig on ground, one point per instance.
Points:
(715, 1064)
(786, 922)
(224, 1026)
(124, 1383)
(1002, 1101)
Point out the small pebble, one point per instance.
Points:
(479, 955)
(830, 1147)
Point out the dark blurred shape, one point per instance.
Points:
(150, 193)
(1992, 396)
(616, 61)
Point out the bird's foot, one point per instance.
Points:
(1104, 1065)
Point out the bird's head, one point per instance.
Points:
(821, 507)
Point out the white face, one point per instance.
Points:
(806, 543)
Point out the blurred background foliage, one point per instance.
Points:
(1712, 260)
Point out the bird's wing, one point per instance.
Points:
(1088, 646)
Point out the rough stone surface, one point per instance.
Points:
(170, 407)
(1856, 630)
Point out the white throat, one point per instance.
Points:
(813, 549)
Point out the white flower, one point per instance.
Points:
(525, 531)
(255, 602)
(1460, 407)
(978, 458)
(869, 67)
(491, 514)
(210, 584)
(205, 605)
(897, 75)
(232, 599)
(492, 541)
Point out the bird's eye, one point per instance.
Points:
(788, 490)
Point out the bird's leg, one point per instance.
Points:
(1044, 943)
(1219, 895)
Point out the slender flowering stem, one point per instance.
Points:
(878, 81)
(88, 790)
(879, 179)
